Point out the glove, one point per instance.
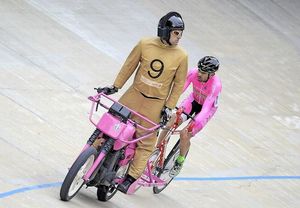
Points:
(107, 90)
(165, 114)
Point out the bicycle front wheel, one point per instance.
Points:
(168, 164)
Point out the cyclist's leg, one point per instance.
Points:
(185, 142)
(142, 153)
(184, 145)
(190, 107)
(131, 99)
(150, 108)
(185, 136)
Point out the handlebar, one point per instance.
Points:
(180, 111)
(97, 99)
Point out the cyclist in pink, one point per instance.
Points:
(202, 102)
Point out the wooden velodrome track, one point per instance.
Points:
(53, 53)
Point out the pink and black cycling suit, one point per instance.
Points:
(203, 101)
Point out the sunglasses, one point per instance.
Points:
(201, 71)
(177, 33)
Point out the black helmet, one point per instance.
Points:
(208, 64)
(167, 23)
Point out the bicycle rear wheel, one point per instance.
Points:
(168, 164)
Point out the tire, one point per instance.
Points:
(168, 164)
(152, 159)
(73, 180)
(105, 193)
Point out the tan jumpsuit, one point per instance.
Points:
(159, 81)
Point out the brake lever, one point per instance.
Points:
(98, 102)
(97, 105)
(190, 128)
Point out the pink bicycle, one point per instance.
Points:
(161, 162)
(104, 160)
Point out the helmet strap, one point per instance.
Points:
(168, 41)
(210, 75)
(165, 41)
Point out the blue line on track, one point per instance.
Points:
(29, 188)
(239, 178)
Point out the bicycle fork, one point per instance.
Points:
(104, 150)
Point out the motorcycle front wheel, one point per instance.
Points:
(74, 179)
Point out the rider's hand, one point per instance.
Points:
(165, 114)
(107, 90)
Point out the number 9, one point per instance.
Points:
(158, 71)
